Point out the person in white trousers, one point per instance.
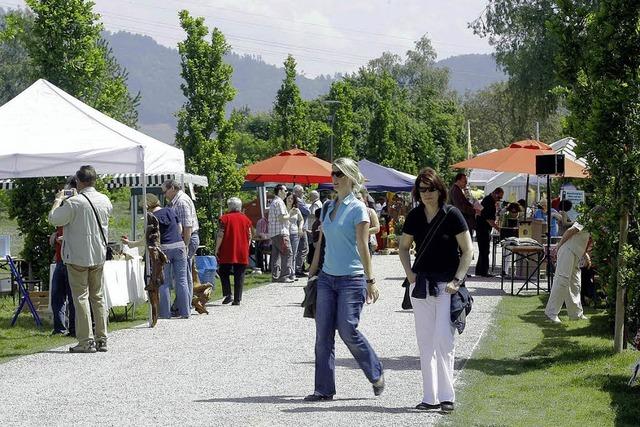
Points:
(566, 281)
(444, 254)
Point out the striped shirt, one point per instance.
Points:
(186, 211)
(277, 226)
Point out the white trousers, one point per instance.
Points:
(566, 286)
(435, 336)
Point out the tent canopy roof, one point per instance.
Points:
(382, 178)
(44, 131)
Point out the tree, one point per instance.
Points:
(15, 63)
(591, 50)
(204, 133)
(289, 112)
(63, 42)
(498, 120)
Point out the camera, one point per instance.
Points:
(69, 193)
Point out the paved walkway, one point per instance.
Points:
(243, 365)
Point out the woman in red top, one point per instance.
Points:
(232, 250)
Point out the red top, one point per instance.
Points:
(58, 245)
(235, 243)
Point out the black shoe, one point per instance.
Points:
(302, 274)
(378, 386)
(58, 333)
(427, 407)
(446, 407)
(70, 334)
(101, 346)
(227, 299)
(235, 303)
(317, 398)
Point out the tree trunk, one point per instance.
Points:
(618, 339)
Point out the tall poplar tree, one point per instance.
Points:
(204, 133)
(289, 111)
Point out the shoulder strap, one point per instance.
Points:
(104, 239)
(430, 235)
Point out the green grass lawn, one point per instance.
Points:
(530, 372)
(25, 338)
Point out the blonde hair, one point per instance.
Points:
(152, 201)
(352, 171)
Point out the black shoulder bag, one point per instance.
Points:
(311, 290)
(406, 301)
(104, 239)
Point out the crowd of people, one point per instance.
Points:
(336, 239)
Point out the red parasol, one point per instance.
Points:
(297, 166)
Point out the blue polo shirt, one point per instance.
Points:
(341, 256)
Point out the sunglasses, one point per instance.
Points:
(429, 189)
(337, 174)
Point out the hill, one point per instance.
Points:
(470, 73)
(154, 70)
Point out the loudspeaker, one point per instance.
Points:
(550, 164)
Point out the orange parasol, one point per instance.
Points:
(520, 157)
(297, 166)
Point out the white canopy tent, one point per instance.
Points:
(44, 131)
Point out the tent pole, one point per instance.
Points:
(147, 265)
(526, 198)
(548, 233)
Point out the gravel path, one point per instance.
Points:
(248, 365)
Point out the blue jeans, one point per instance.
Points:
(295, 240)
(194, 242)
(338, 306)
(61, 293)
(175, 271)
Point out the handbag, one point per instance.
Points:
(104, 239)
(406, 301)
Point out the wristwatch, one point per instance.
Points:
(371, 281)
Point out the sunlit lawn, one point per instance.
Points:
(530, 372)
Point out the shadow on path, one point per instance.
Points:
(266, 399)
(368, 409)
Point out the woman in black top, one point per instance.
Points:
(436, 275)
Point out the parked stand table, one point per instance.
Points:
(523, 254)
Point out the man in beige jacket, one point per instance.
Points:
(85, 218)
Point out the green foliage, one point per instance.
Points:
(62, 40)
(14, 59)
(203, 132)
(289, 114)
(498, 119)
(591, 50)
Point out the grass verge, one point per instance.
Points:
(530, 372)
(25, 338)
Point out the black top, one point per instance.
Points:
(488, 213)
(442, 257)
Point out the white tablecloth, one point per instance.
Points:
(123, 282)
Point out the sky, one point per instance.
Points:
(325, 37)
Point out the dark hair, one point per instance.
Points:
(498, 190)
(430, 177)
(459, 176)
(72, 182)
(279, 187)
(86, 175)
(522, 203)
(294, 201)
(514, 207)
(565, 205)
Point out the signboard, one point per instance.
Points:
(576, 197)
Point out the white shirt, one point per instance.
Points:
(82, 244)
(579, 241)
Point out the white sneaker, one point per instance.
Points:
(554, 319)
(581, 317)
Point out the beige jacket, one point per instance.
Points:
(82, 244)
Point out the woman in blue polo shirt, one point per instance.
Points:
(345, 282)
